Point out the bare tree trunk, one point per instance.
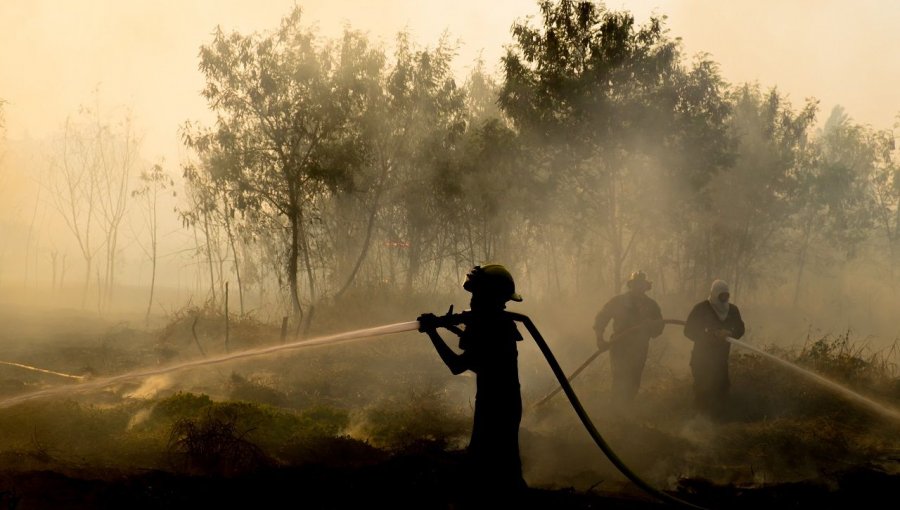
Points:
(226, 317)
(152, 283)
(209, 258)
(309, 273)
(87, 281)
(53, 260)
(370, 227)
(37, 201)
(615, 233)
(801, 264)
(237, 265)
(293, 265)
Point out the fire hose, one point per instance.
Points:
(615, 338)
(452, 320)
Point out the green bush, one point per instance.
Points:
(401, 423)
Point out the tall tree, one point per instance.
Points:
(118, 157)
(838, 207)
(279, 138)
(590, 91)
(699, 146)
(886, 197)
(73, 190)
(153, 183)
(752, 203)
(427, 111)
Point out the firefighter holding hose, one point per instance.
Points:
(636, 319)
(709, 325)
(488, 344)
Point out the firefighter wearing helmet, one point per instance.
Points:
(488, 345)
(636, 319)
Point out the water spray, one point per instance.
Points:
(98, 383)
(43, 370)
(842, 390)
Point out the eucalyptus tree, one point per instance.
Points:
(850, 155)
(491, 196)
(119, 157)
(201, 197)
(350, 226)
(486, 184)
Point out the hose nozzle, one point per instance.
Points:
(450, 320)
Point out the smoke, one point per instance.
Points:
(151, 387)
(808, 259)
(139, 418)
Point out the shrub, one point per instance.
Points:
(214, 445)
(400, 423)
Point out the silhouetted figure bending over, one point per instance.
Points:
(488, 345)
(709, 324)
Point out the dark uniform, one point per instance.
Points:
(489, 350)
(636, 319)
(488, 344)
(709, 357)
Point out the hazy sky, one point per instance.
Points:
(143, 53)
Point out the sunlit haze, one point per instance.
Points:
(234, 233)
(144, 54)
(142, 57)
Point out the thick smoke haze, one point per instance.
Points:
(139, 60)
(181, 180)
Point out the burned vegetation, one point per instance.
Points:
(315, 422)
(344, 186)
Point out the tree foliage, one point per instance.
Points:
(599, 149)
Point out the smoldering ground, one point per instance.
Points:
(365, 403)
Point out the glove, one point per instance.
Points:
(602, 344)
(427, 322)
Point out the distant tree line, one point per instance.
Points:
(336, 167)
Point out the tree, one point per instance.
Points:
(426, 116)
(279, 139)
(590, 91)
(154, 182)
(886, 196)
(73, 190)
(118, 150)
(752, 202)
(89, 176)
(699, 146)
